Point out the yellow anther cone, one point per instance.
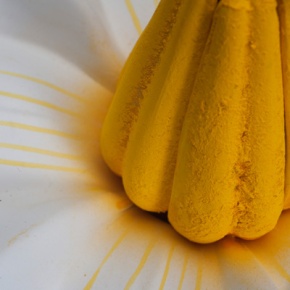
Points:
(284, 13)
(196, 127)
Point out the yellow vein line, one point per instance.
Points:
(156, 2)
(20, 234)
(198, 276)
(38, 102)
(39, 151)
(134, 16)
(106, 258)
(40, 166)
(44, 83)
(183, 271)
(264, 260)
(36, 129)
(141, 265)
(275, 265)
(170, 254)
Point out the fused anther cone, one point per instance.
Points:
(196, 126)
(284, 15)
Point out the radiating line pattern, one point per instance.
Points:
(193, 268)
(44, 83)
(199, 275)
(165, 274)
(106, 258)
(39, 151)
(37, 102)
(40, 166)
(183, 271)
(134, 16)
(142, 262)
(263, 257)
(36, 129)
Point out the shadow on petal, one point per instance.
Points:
(76, 32)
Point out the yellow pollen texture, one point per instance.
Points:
(199, 122)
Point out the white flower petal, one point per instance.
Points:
(65, 220)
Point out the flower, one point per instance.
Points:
(66, 222)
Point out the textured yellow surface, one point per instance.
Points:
(230, 171)
(196, 127)
(284, 13)
(62, 229)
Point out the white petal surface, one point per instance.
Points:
(65, 222)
